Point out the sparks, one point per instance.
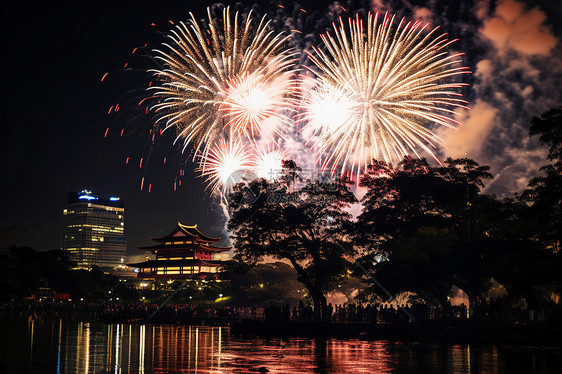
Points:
(232, 73)
(378, 92)
(268, 164)
(226, 164)
(255, 107)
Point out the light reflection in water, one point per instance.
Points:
(59, 344)
(87, 348)
(117, 336)
(31, 339)
(76, 347)
(142, 339)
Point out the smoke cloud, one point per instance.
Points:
(516, 59)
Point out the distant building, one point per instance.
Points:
(184, 253)
(94, 230)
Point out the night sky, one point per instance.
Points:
(54, 107)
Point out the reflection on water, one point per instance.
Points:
(63, 346)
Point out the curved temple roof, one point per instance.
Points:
(190, 231)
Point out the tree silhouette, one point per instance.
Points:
(544, 193)
(299, 220)
(418, 217)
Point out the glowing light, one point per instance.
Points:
(232, 71)
(250, 101)
(329, 108)
(87, 197)
(225, 164)
(268, 164)
(379, 91)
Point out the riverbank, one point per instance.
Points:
(251, 322)
(449, 332)
(443, 332)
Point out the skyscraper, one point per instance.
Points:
(94, 230)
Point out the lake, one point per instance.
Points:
(55, 345)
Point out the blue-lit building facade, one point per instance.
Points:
(94, 230)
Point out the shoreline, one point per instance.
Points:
(447, 332)
(433, 331)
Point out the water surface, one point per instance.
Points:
(54, 345)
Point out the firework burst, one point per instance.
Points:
(268, 163)
(234, 72)
(378, 92)
(226, 164)
(256, 107)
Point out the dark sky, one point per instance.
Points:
(54, 111)
(55, 116)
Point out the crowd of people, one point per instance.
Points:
(116, 311)
(498, 310)
(358, 313)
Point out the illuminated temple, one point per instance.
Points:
(184, 253)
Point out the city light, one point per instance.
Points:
(87, 197)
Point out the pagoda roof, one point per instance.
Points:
(202, 246)
(187, 232)
(166, 263)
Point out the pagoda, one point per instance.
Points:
(184, 253)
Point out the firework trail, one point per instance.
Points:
(378, 90)
(233, 73)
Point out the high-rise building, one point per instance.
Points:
(94, 230)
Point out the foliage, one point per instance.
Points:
(427, 263)
(302, 221)
(549, 129)
(544, 192)
(435, 229)
(272, 282)
(23, 271)
(400, 201)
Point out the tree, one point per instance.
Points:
(302, 221)
(544, 192)
(524, 267)
(399, 201)
(548, 127)
(418, 217)
(23, 271)
(272, 282)
(428, 263)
